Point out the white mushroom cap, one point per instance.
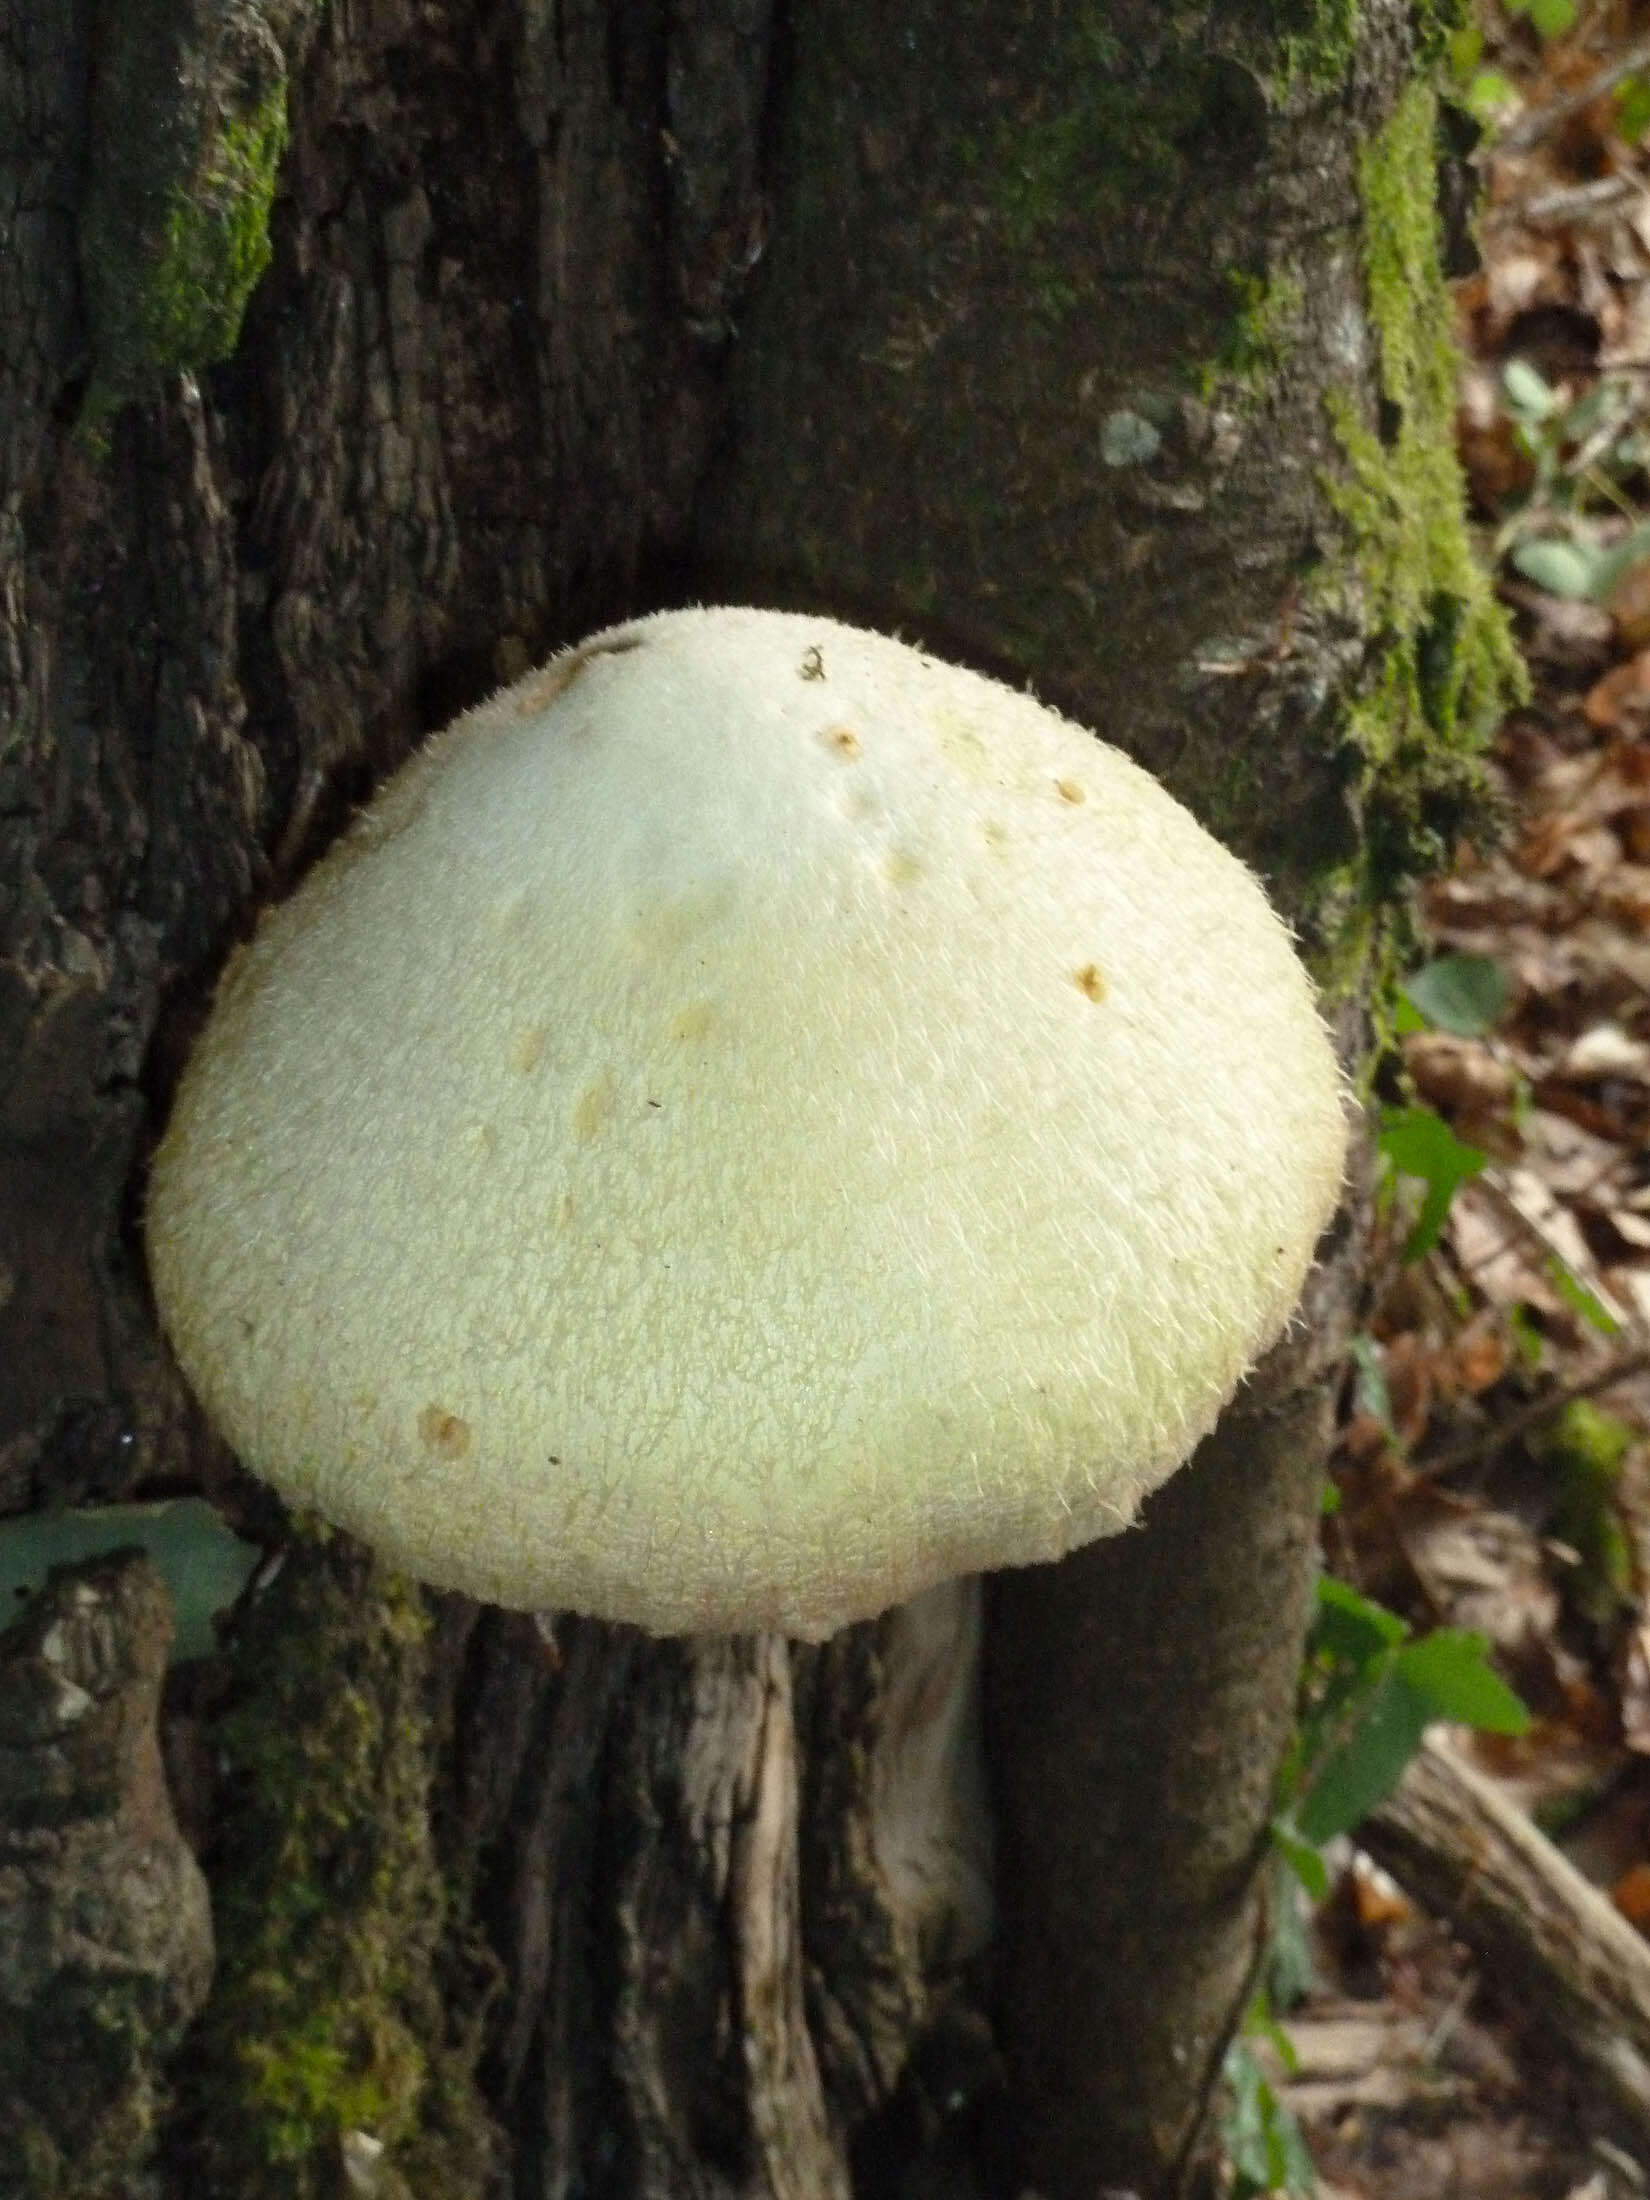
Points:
(751, 1122)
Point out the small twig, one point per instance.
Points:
(1478, 1450)
(1626, 1317)
(1575, 201)
(1552, 1941)
(1438, 2037)
(1540, 122)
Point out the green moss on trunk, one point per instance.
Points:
(189, 124)
(1442, 664)
(215, 243)
(329, 2017)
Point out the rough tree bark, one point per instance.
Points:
(1100, 345)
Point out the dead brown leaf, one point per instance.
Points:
(1629, 605)
(1631, 1896)
(1466, 1078)
(1621, 699)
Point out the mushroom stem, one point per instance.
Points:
(930, 1818)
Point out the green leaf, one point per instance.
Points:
(1633, 108)
(1302, 1858)
(1288, 1971)
(1261, 2024)
(1446, 1675)
(1243, 2124)
(1584, 1448)
(1528, 391)
(1552, 18)
(1579, 1299)
(1300, 2176)
(204, 1565)
(1466, 47)
(1369, 1764)
(1350, 1627)
(1610, 566)
(1465, 994)
(1450, 1674)
(1561, 568)
(1489, 94)
(1585, 415)
(1350, 1644)
(1416, 1141)
(1369, 1390)
(1526, 1336)
(1262, 2139)
(1583, 1443)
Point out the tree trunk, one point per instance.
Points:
(1089, 349)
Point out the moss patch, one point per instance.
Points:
(1116, 133)
(1267, 310)
(216, 243)
(189, 124)
(329, 2016)
(1443, 663)
(1319, 38)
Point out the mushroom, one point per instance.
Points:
(751, 1122)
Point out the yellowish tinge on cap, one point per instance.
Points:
(752, 1122)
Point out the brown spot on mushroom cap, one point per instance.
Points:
(593, 1106)
(444, 1432)
(905, 1266)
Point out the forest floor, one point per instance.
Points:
(1494, 1467)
